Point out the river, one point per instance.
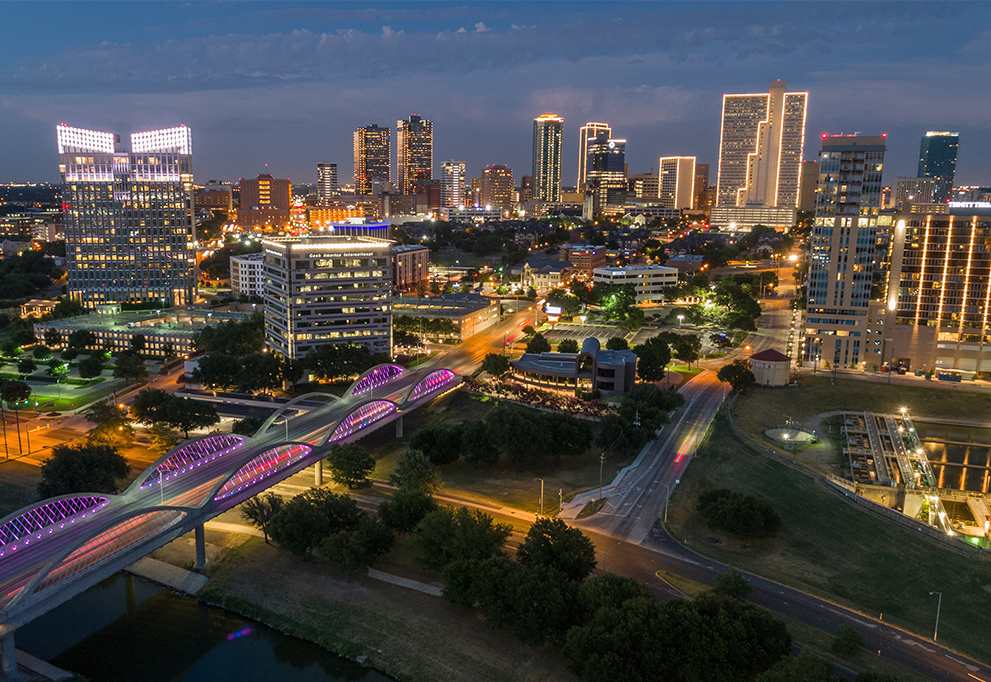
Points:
(126, 629)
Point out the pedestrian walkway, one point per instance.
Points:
(179, 579)
(40, 667)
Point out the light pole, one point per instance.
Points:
(667, 498)
(606, 555)
(541, 495)
(939, 603)
(602, 460)
(583, 318)
(815, 349)
(680, 318)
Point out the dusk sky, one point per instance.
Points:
(286, 83)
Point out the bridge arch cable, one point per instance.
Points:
(186, 456)
(46, 517)
(372, 378)
(296, 407)
(435, 380)
(363, 415)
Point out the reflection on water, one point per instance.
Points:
(125, 629)
(960, 455)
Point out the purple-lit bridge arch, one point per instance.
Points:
(54, 549)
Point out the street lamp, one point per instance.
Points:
(939, 603)
(815, 349)
(582, 318)
(541, 495)
(680, 318)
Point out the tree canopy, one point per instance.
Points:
(81, 469)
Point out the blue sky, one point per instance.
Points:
(286, 83)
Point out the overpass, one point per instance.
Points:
(59, 547)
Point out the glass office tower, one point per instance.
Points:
(548, 130)
(938, 160)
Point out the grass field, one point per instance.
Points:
(501, 485)
(13, 497)
(835, 550)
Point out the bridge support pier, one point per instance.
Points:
(129, 596)
(399, 427)
(200, 546)
(8, 657)
(318, 474)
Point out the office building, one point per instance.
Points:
(585, 133)
(583, 257)
(677, 182)
(606, 171)
(644, 185)
(701, 185)
(910, 191)
(470, 313)
(452, 183)
(410, 266)
(938, 160)
(548, 130)
(841, 328)
(214, 195)
(760, 147)
(326, 181)
(807, 186)
(526, 188)
(372, 158)
(609, 373)
(414, 152)
(128, 216)
(266, 192)
(497, 187)
(650, 281)
(328, 290)
(247, 277)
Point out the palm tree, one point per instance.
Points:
(14, 392)
(3, 413)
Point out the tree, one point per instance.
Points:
(81, 339)
(82, 468)
(247, 426)
(653, 357)
(186, 414)
(415, 471)
(734, 585)
(112, 428)
(168, 352)
(738, 514)
(26, 366)
(687, 348)
(292, 370)
(163, 438)
(848, 641)
(804, 668)
(217, 370)
(90, 367)
(495, 364)
(478, 445)
(310, 517)
(553, 544)
(529, 330)
(738, 375)
(146, 403)
(41, 352)
(617, 343)
(130, 366)
(406, 509)
(53, 337)
(139, 343)
(441, 445)
(446, 535)
(350, 464)
(354, 550)
(12, 393)
(608, 590)
(57, 369)
(261, 509)
(259, 372)
(567, 346)
(538, 344)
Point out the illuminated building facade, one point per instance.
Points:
(938, 160)
(414, 152)
(128, 216)
(701, 185)
(842, 329)
(328, 290)
(606, 171)
(548, 131)
(326, 181)
(266, 192)
(372, 157)
(914, 191)
(677, 181)
(760, 147)
(497, 187)
(585, 133)
(452, 184)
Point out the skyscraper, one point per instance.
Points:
(677, 182)
(938, 160)
(842, 251)
(585, 133)
(497, 187)
(372, 157)
(701, 185)
(606, 170)
(128, 216)
(548, 129)
(414, 152)
(760, 147)
(326, 181)
(452, 183)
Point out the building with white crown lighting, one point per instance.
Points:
(128, 216)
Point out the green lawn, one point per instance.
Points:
(13, 497)
(835, 550)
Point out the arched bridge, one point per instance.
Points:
(56, 548)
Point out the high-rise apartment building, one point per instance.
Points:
(914, 191)
(548, 130)
(644, 185)
(526, 188)
(677, 181)
(585, 133)
(326, 182)
(452, 184)
(701, 185)
(328, 290)
(497, 187)
(760, 147)
(266, 192)
(938, 160)
(128, 216)
(414, 152)
(606, 170)
(372, 157)
(842, 250)
(807, 186)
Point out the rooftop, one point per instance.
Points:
(770, 355)
(177, 321)
(446, 304)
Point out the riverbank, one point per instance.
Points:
(404, 633)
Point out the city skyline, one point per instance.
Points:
(662, 96)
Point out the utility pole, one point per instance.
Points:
(541, 495)
(602, 460)
(938, 604)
